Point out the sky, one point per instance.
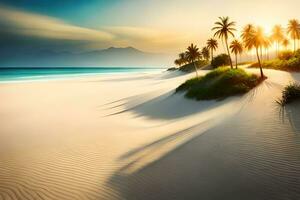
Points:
(158, 26)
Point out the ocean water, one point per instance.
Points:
(25, 74)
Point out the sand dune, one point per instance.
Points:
(131, 137)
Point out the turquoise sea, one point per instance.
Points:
(25, 74)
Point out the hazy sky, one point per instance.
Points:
(150, 25)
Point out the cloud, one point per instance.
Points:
(28, 24)
(44, 32)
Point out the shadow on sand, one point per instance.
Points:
(166, 106)
(128, 181)
(244, 157)
(291, 113)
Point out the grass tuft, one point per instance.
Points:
(290, 93)
(219, 83)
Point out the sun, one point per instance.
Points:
(267, 27)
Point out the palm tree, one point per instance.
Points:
(247, 31)
(236, 48)
(224, 28)
(177, 62)
(205, 53)
(266, 45)
(192, 54)
(212, 45)
(256, 39)
(294, 31)
(285, 43)
(182, 57)
(277, 36)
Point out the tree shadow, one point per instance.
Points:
(122, 79)
(163, 141)
(125, 181)
(291, 114)
(195, 169)
(171, 74)
(169, 105)
(296, 76)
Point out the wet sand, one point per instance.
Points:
(131, 137)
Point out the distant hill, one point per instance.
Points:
(112, 56)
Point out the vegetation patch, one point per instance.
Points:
(172, 69)
(191, 68)
(286, 61)
(220, 60)
(290, 93)
(219, 83)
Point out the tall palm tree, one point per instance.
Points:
(236, 48)
(192, 54)
(224, 28)
(247, 31)
(285, 43)
(277, 36)
(256, 40)
(212, 45)
(266, 46)
(205, 53)
(294, 30)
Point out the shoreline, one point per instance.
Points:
(75, 76)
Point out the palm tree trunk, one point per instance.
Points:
(212, 55)
(294, 45)
(195, 68)
(261, 57)
(276, 49)
(259, 63)
(236, 64)
(228, 53)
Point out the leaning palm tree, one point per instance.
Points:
(277, 36)
(294, 30)
(256, 39)
(192, 54)
(224, 28)
(205, 53)
(236, 48)
(212, 45)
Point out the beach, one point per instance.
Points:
(129, 136)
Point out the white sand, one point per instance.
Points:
(123, 137)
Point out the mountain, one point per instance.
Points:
(112, 56)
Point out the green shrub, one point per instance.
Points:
(219, 83)
(220, 60)
(292, 64)
(286, 55)
(172, 69)
(290, 93)
(297, 54)
(191, 68)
